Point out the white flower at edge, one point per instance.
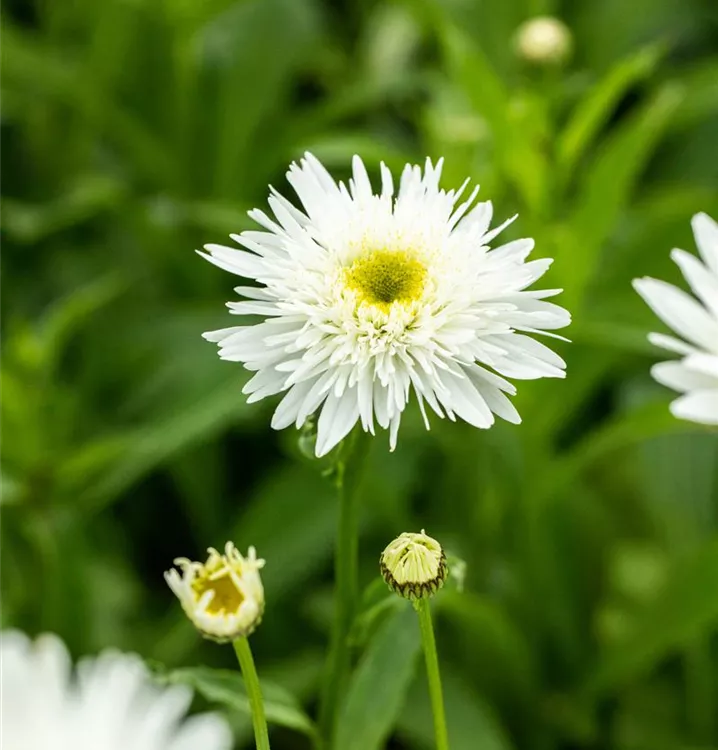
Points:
(224, 596)
(366, 298)
(695, 320)
(107, 703)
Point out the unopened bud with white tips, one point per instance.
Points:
(544, 40)
(414, 565)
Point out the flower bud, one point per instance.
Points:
(223, 597)
(544, 40)
(414, 565)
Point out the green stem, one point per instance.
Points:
(432, 671)
(346, 587)
(254, 692)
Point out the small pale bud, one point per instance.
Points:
(414, 565)
(544, 40)
(224, 596)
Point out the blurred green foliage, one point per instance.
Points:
(136, 130)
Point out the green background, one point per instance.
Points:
(134, 131)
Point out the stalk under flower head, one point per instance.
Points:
(224, 596)
(695, 320)
(366, 298)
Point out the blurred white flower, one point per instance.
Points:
(695, 320)
(224, 596)
(544, 40)
(367, 297)
(108, 703)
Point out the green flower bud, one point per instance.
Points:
(544, 40)
(414, 566)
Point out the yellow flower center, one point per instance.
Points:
(227, 597)
(383, 277)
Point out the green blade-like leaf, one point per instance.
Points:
(379, 685)
(607, 188)
(131, 455)
(685, 608)
(522, 159)
(596, 108)
(470, 721)
(227, 688)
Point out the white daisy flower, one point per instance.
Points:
(695, 320)
(365, 298)
(224, 596)
(107, 703)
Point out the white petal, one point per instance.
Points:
(697, 406)
(702, 281)
(679, 310)
(494, 397)
(239, 262)
(703, 363)
(677, 376)
(338, 416)
(288, 408)
(670, 343)
(361, 187)
(207, 731)
(466, 401)
(705, 231)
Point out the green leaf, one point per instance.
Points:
(685, 608)
(11, 489)
(500, 646)
(592, 113)
(618, 434)
(227, 688)
(378, 602)
(38, 73)
(73, 311)
(81, 201)
(521, 158)
(609, 181)
(248, 94)
(131, 455)
(303, 540)
(470, 721)
(379, 685)
(701, 96)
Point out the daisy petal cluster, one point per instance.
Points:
(224, 596)
(107, 703)
(364, 299)
(695, 320)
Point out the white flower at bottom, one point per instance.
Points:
(224, 596)
(366, 298)
(109, 703)
(695, 320)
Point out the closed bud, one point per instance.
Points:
(414, 566)
(544, 40)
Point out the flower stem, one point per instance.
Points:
(254, 692)
(432, 671)
(346, 588)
